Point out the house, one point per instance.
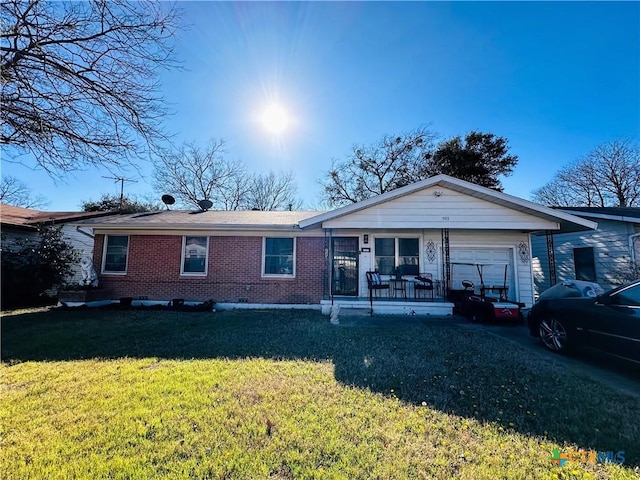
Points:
(443, 226)
(605, 255)
(22, 223)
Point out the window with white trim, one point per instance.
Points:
(194, 255)
(397, 252)
(278, 257)
(116, 249)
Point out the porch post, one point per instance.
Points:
(328, 261)
(551, 258)
(446, 261)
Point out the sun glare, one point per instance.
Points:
(275, 119)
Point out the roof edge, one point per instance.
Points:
(447, 181)
(602, 216)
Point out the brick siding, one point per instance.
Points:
(233, 274)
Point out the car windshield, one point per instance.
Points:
(573, 289)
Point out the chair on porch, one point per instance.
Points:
(468, 285)
(423, 283)
(376, 284)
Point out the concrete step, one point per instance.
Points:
(354, 312)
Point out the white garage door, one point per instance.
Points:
(493, 263)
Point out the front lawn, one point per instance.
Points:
(285, 394)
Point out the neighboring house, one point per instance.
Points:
(442, 226)
(605, 255)
(22, 223)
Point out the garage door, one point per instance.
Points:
(493, 263)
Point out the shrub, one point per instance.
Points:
(32, 266)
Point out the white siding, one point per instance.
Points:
(12, 237)
(438, 207)
(83, 245)
(611, 251)
(519, 273)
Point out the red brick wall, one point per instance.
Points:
(233, 274)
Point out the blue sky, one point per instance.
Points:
(554, 78)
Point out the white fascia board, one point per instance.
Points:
(462, 186)
(602, 216)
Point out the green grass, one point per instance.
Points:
(108, 394)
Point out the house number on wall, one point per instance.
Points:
(446, 219)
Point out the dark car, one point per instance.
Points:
(576, 313)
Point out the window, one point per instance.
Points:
(403, 253)
(278, 257)
(194, 255)
(115, 254)
(385, 255)
(584, 264)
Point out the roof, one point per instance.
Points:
(566, 221)
(622, 214)
(286, 220)
(210, 219)
(27, 217)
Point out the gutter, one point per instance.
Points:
(79, 230)
(603, 216)
(190, 226)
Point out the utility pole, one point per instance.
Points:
(121, 180)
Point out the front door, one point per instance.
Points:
(344, 266)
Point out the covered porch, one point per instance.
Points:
(461, 236)
(415, 268)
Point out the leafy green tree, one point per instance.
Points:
(479, 158)
(396, 161)
(113, 203)
(32, 266)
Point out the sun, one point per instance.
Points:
(275, 119)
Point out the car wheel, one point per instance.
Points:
(553, 335)
(477, 316)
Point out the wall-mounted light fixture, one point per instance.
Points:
(365, 238)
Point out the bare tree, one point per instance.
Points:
(609, 176)
(79, 80)
(15, 192)
(194, 173)
(272, 191)
(624, 270)
(393, 162)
